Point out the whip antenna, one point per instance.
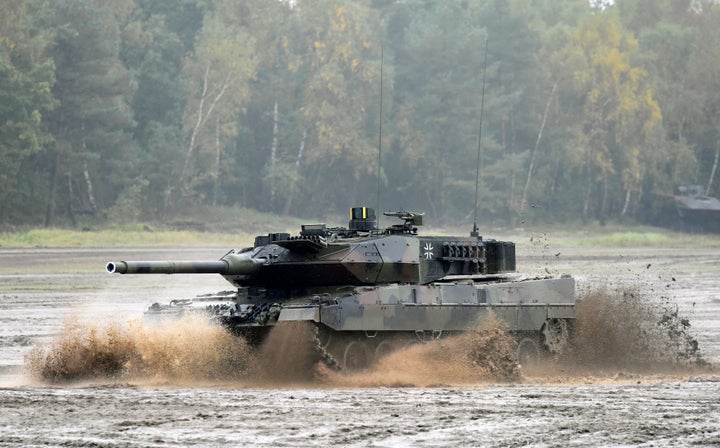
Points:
(479, 149)
(379, 161)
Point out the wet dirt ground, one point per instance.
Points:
(42, 289)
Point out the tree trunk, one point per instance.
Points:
(70, 212)
(627, 202)
(712, 172)
(603, 208)
(298, 161)
(52, 199)
(511, 205)
(586, 205)
(89, 186)
(535, 148)
(216, 173)
(273, 147)
(202, 116)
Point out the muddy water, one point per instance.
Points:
(408, 400)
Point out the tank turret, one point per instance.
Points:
(357, 256)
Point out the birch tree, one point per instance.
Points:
(216, 85)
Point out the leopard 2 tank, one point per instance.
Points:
(366, 291)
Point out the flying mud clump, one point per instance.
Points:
(626, 330)
(189, 349)
(492, 348)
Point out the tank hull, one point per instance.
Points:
(356, 325)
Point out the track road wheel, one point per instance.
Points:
(383, 349)
(528, 351)
(356, 356)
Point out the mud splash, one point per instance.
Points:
(188, 349)
(193, 350)
(286, 357)
(481, 356)
(615, 332)
(625, 330)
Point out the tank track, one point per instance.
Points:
(325, 356)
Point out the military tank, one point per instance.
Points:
(697, 211)
(367, 291)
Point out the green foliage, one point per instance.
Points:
(27, 75)
(135, 110)
(129, 206)
(91, 126)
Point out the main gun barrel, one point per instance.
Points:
(232, 264)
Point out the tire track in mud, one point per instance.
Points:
(679, 414)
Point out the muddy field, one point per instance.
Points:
(423, 396)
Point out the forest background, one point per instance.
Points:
(120, 111)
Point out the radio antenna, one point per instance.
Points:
(479, 149)
(379, 161)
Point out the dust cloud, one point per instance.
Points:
(615, 332)
(185, 350)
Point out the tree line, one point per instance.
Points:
(130, 110)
